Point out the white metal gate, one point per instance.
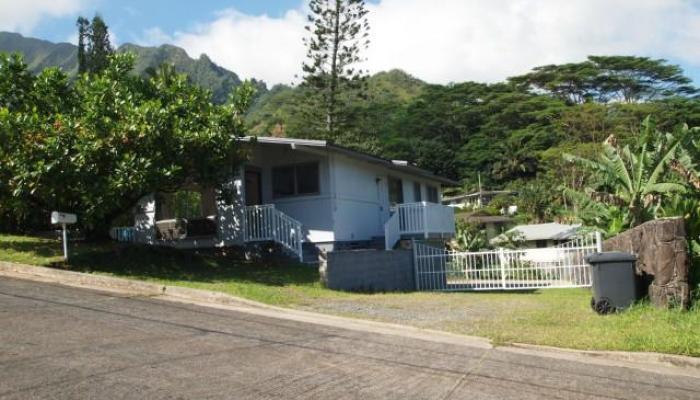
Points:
(562, 266)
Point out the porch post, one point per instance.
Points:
(501, 260)
(415, 264)
(425, 219)
(242, 202)
(273, 222)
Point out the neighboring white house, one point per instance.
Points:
(540, 235)
(296, 191)
(539, 241)
(479, 199)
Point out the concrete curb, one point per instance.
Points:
(224, 301)
(670, 360)
(80, 279)
(655, 362)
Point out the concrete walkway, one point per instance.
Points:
(63, 342)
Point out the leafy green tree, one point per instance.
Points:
(16, 85)
(338, 32)
(83, 26)
(375, 118)
(572, 83)
(609, 78)
(514, 161)
(94, 47)
(467, 126)
(125, 137)
(538, 200)
(507, 132)
(634, 79)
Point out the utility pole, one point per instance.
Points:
(478, 176)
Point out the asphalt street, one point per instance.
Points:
(66, 343)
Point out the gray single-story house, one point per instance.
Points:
(302, 194)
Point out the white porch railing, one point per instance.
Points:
(265, 222)
(421, 219)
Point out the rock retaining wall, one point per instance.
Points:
(662, 259)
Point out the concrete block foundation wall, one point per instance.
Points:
(368, 270)
(662, 258)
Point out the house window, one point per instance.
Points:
(294, 180)
(417, 195)
(432, 194)
(395, 191)
(307, 178)
(283, 181)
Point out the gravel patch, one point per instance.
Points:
(451, 311)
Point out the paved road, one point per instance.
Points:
(67, 343)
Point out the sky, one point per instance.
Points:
(439, 41)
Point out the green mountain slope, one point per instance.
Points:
(202, 71)
(277, 111)
(39, 54)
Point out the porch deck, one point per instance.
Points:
(419, 220)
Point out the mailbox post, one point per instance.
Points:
(63, 219)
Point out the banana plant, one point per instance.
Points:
(635, 179)
(469, 238)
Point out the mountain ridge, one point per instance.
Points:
(39, 54)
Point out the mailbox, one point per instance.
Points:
(61, 218)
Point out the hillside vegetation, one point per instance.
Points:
(511, 134)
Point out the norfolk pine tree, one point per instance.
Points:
(94, 47)
(338, 32)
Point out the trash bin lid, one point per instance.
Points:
(609, 257)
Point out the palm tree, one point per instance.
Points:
(634, 179)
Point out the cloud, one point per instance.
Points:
(23, 16)
(456, 40)
(253, 46)
(154, 37)
(444, 41)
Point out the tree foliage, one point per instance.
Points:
(96, 147)
(508, 132)
(339, 31)
(609, 78)
(468, 237)
(94, 47)
(635, 179)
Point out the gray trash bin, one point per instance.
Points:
(614, 286)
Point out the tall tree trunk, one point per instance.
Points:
(333, 84)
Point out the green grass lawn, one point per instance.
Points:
(555, 317)
(267, 282)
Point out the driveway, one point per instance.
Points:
(68, 343)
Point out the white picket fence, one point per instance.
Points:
(266, 223)
(562, 266)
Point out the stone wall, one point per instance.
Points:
(662, 259)
(368, 270)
